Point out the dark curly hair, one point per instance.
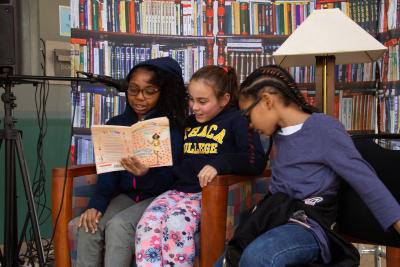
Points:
(277, 80)
(173, 98)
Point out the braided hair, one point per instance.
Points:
(276, 80)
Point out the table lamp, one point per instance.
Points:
(327, 37)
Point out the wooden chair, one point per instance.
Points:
(213, 219)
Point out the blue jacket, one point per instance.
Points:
(155, 182)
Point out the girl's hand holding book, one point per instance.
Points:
(206, 175)
(133, 165)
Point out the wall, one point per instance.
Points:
(39, 20)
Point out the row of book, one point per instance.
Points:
(206, 17)
(363, 12)
(108, 58)
(389, 18)
(93, 104)
(82, 149)
(362, 72)
(246, 62)
(168, 17)
(356, 110)
(248, 17)
(246, 55)
(391, 70)
(389, 103)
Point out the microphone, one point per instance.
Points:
(120, 85)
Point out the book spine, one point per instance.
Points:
(221, 17)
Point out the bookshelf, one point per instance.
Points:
(246, 34)
(389, 34)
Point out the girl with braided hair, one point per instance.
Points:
(310, 150)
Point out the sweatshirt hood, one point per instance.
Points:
(166, 64)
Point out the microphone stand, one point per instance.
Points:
(13, 148)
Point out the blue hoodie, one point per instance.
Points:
(225, 142)
(157, 180)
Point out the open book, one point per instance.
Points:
(148, 140)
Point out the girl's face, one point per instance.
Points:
(260, 112)
(203, 101)
(142, 95)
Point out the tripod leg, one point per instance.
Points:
(10, 257)
(29, 198)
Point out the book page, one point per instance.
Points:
(151, 142)
(110, 145)
(148, 140)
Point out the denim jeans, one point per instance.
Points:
(288, 244)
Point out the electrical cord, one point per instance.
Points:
(39, 178)
(66, 165)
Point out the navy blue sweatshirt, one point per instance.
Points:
(225, 142)
(155, 182)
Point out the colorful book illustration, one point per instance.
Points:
(148, 140)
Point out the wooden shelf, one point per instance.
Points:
(138, 38)
(391, 83)
(355, 85)
(360, 132)
(263, 37)
(342, 85)
(81, 131)
(386, 36)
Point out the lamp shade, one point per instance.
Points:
(328, 32)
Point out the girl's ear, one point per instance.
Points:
(224, 100)
(267, 99)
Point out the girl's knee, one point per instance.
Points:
(118, 225)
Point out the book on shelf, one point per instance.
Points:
(148, 140)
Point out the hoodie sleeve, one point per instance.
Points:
(107, 187)
(249, 158)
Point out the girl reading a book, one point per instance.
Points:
(292, 225)
(217, 140)
(156, 89)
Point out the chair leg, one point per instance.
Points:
(213, 224)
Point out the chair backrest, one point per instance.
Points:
(354, 217)
(82, 190)
(241, 197)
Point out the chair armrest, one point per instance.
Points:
(213, 216)
(228, 179)
(62, 181)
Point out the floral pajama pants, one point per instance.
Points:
(165, 233)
